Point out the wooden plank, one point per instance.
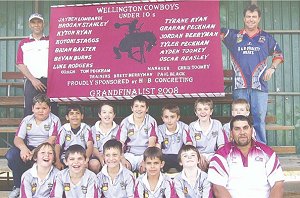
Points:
(12, 75)
(12, 84)
(3, 151)
(10, 121)
(14, 101)
(8, 129)
(276, 127)
(284, 149)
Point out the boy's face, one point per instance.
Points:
(45, 156)
(107, 114)
(112, 157)
(153, 166)
(189, 159)
(170, 119)
(76, 162)
(74, 117)
(139, 109)
(203, 112)
(41, 111)
(239, 109)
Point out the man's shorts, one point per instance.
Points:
(134, 160)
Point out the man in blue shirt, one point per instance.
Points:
(249, 49)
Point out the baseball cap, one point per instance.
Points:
(36, 16)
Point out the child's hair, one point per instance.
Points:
(40, 98)
(172, 108)
(140, 98)
(242, 102)
(106, 103)
(240, 118)
(204, 101)
(76, 148)
(185, 148)
(74, 107)
(113, 143)
(37, 149)
(153, 152)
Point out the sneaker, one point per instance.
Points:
(15, 193)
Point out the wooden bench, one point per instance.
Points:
(12, 76)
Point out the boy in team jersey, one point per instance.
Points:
(35, 129)
(206, 133)
(114, 179)
(74, 132)
(137, 132)
(238, 107)
(76, 181)
(153, 183)
(171, 136)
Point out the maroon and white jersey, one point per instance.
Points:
(34, 54)
(122, 186)
(250, 176)
(32, 186)
(137, 139)
(164, 187)
(100, 138)
(208, 143)
(66, 137)
(172, 141)
(63, 186)
(185, 190)
(35, 134)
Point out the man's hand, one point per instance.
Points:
(25, 154)
(38, 85)
(268, 74)
(203, 163)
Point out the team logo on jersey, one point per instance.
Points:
(130, 132)
(197, 136)
(185, 190)
(68, 137)
(123, 185)
(104, 187)
(97, 137)
(162, 191)
(82, 137)
(66, 186)
(178, 139)
(47, 127)
(166, 141)
(262, 39)
(33, 187)
(84, 189)
(146, 194)
(28, 127)
(214, 134)
(200, 188)
(50, 185)
(239, 38)
(259, 159)
(146, 130)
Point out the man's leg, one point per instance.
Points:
(259, 104)
(54, 105)
(29, 93)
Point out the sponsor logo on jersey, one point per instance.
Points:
(84, 189)
(67, 187)
(214, 134)
(97, 137)
(239, 38)
(262, 39)
(185, 190)
(68, 137)
(28, 127)
(104, 187)
(47, 127)
(197, 136)
(130, 132)
(33, 187)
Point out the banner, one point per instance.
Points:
(115, 51)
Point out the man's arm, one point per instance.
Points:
(25, 153)
(89, 149)
(220, 191)
(269, 72)
(277, 190)
(38, 85)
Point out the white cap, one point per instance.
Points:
(36, 16)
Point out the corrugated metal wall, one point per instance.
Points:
(281, 18)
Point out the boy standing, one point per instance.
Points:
(153, 183)
(74, 132)
(137, 132)
(206, 133)
(76, 181)
(192, 181)
(114, 179)
(35, 129)
(171, 136)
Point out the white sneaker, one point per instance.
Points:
(15, 193)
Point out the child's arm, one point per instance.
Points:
(58, 163)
